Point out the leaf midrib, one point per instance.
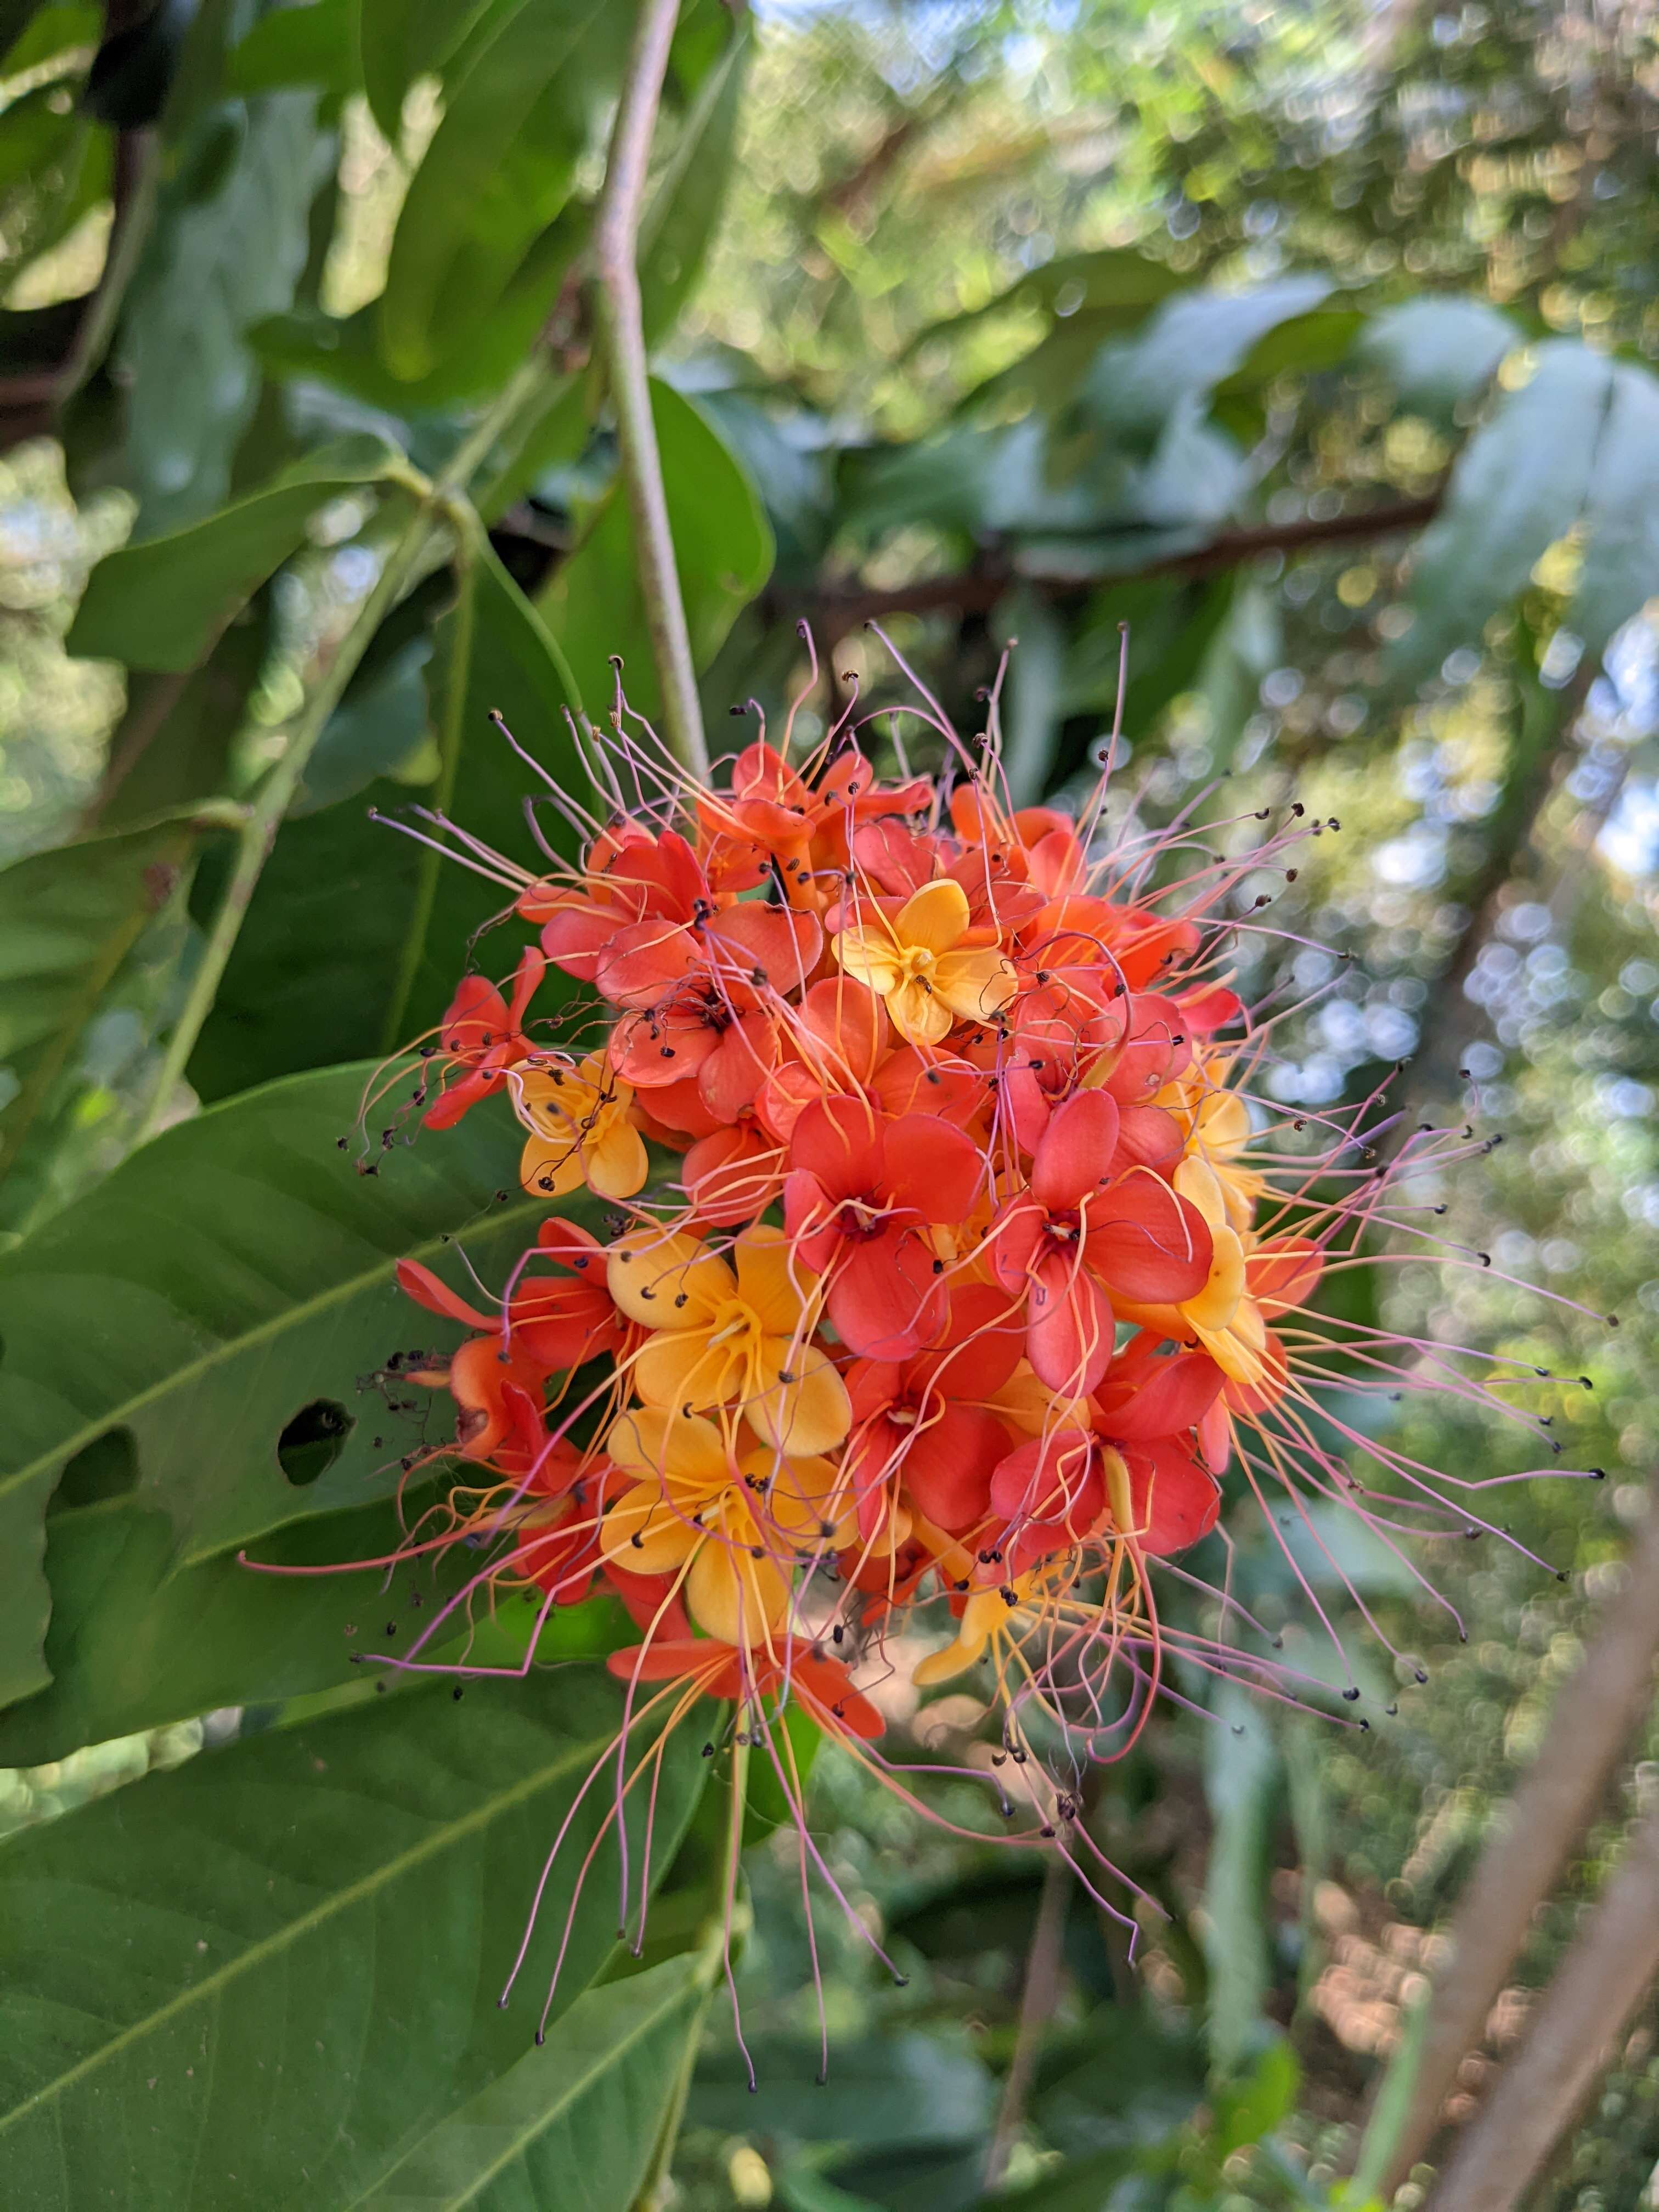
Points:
(233, 1348)
(532, 2129)
(317, 1916)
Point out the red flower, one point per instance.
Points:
(1148, 1408)
(727, 1671)
(924, 1420)
(1078, 1235)
(857, 1201)
(552, 1320)
(806, 827)
(1050, 1495)
(482, 1033)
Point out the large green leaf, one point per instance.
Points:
(1116, 283)
(357, 934)
(227, 246)
(722, 544)
(476, 358)
(574, 2124)
(259, 1980)
(1520, 484)
(689, 195)
(517, 121)
(68, 919)
(160, 604)
(315, 44)
(133, 1644)
(885, 2091)
(1188, 346)
(172, 746)
(1620, 570)
(404, 39)
(235, 1274)
(1438, 352)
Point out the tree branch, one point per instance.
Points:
(1589, 1725)
(833, 612)
(618, 322)
(1572, 2037)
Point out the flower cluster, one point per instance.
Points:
(953, 1258)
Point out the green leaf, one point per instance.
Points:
(1032, 690)
(269, 1295)
(314, 44)
(574, 2124)
(1243, 2112)
(1436, 353)
(499, 167)
(1520, 484)
(51, 31)
(262, 1978)
(887, 2090)
(1080, 2185)
(68, 919)
(1132, 2077)
(722, 542)
(689, 195)
(228, 243)
(1115, 282)
(404, 39)
(372, 731)
(171, 748)
(1242, 1779)
(161, 604)
(357, 934)
(1620, 569)
(133, 1644)
(478, 356)
(1186, 347)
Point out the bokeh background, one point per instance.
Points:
(921, 329)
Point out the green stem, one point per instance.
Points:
(619, 322)
(451, 739)
(718, 1934)
(126, 247)
(440, 505)
(266, 815)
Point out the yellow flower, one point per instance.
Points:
(742, 1339)
(1217, 1123)
(736, 1517)
(580, 1131)
(916, 964)
(1226, 1321)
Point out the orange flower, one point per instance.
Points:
(580, 1131)
(917, 962)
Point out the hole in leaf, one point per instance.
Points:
(313, 1441)
(107, 1468)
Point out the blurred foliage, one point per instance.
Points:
(1312, 343)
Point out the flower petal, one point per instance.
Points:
(1069, 1335)
(648, 1273)
(809, 1412)
(1075, 1156)
(935, 916)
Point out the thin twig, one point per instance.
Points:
(618, 318)
(451, 741)
(1592, 1720)
(1573, 2036)
(975, 591)
(1036, 2004)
